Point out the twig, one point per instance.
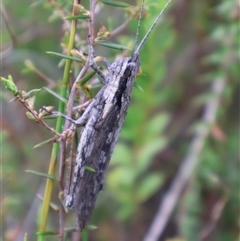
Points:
(6, 20)
(28, 222)
(61, 188)
(188, 166)
(40, 120)
(122, 27)
(83, 70)
(215, 215)
(48, 80)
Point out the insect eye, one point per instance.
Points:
(132, 64)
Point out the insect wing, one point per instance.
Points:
(105, 138)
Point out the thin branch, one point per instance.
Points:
(83, 70)
(36, 116)
(215, 216)
(28, 223)
(61, 188)
(6, 20)
(189, 164)
(123, 26)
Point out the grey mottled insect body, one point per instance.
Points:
(102, 121)
(104, 118)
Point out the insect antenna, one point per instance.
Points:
(138, 27)
(137, 50)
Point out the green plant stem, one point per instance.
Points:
(53, 159)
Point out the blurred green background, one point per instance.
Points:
(195, 44)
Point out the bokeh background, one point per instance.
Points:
(178, 151)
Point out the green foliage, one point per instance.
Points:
(9, 85)
(114, 46)
(41, 174)
(116, 4)
(184, 54)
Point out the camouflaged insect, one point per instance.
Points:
(102, 121)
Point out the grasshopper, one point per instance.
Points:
(102, 122)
